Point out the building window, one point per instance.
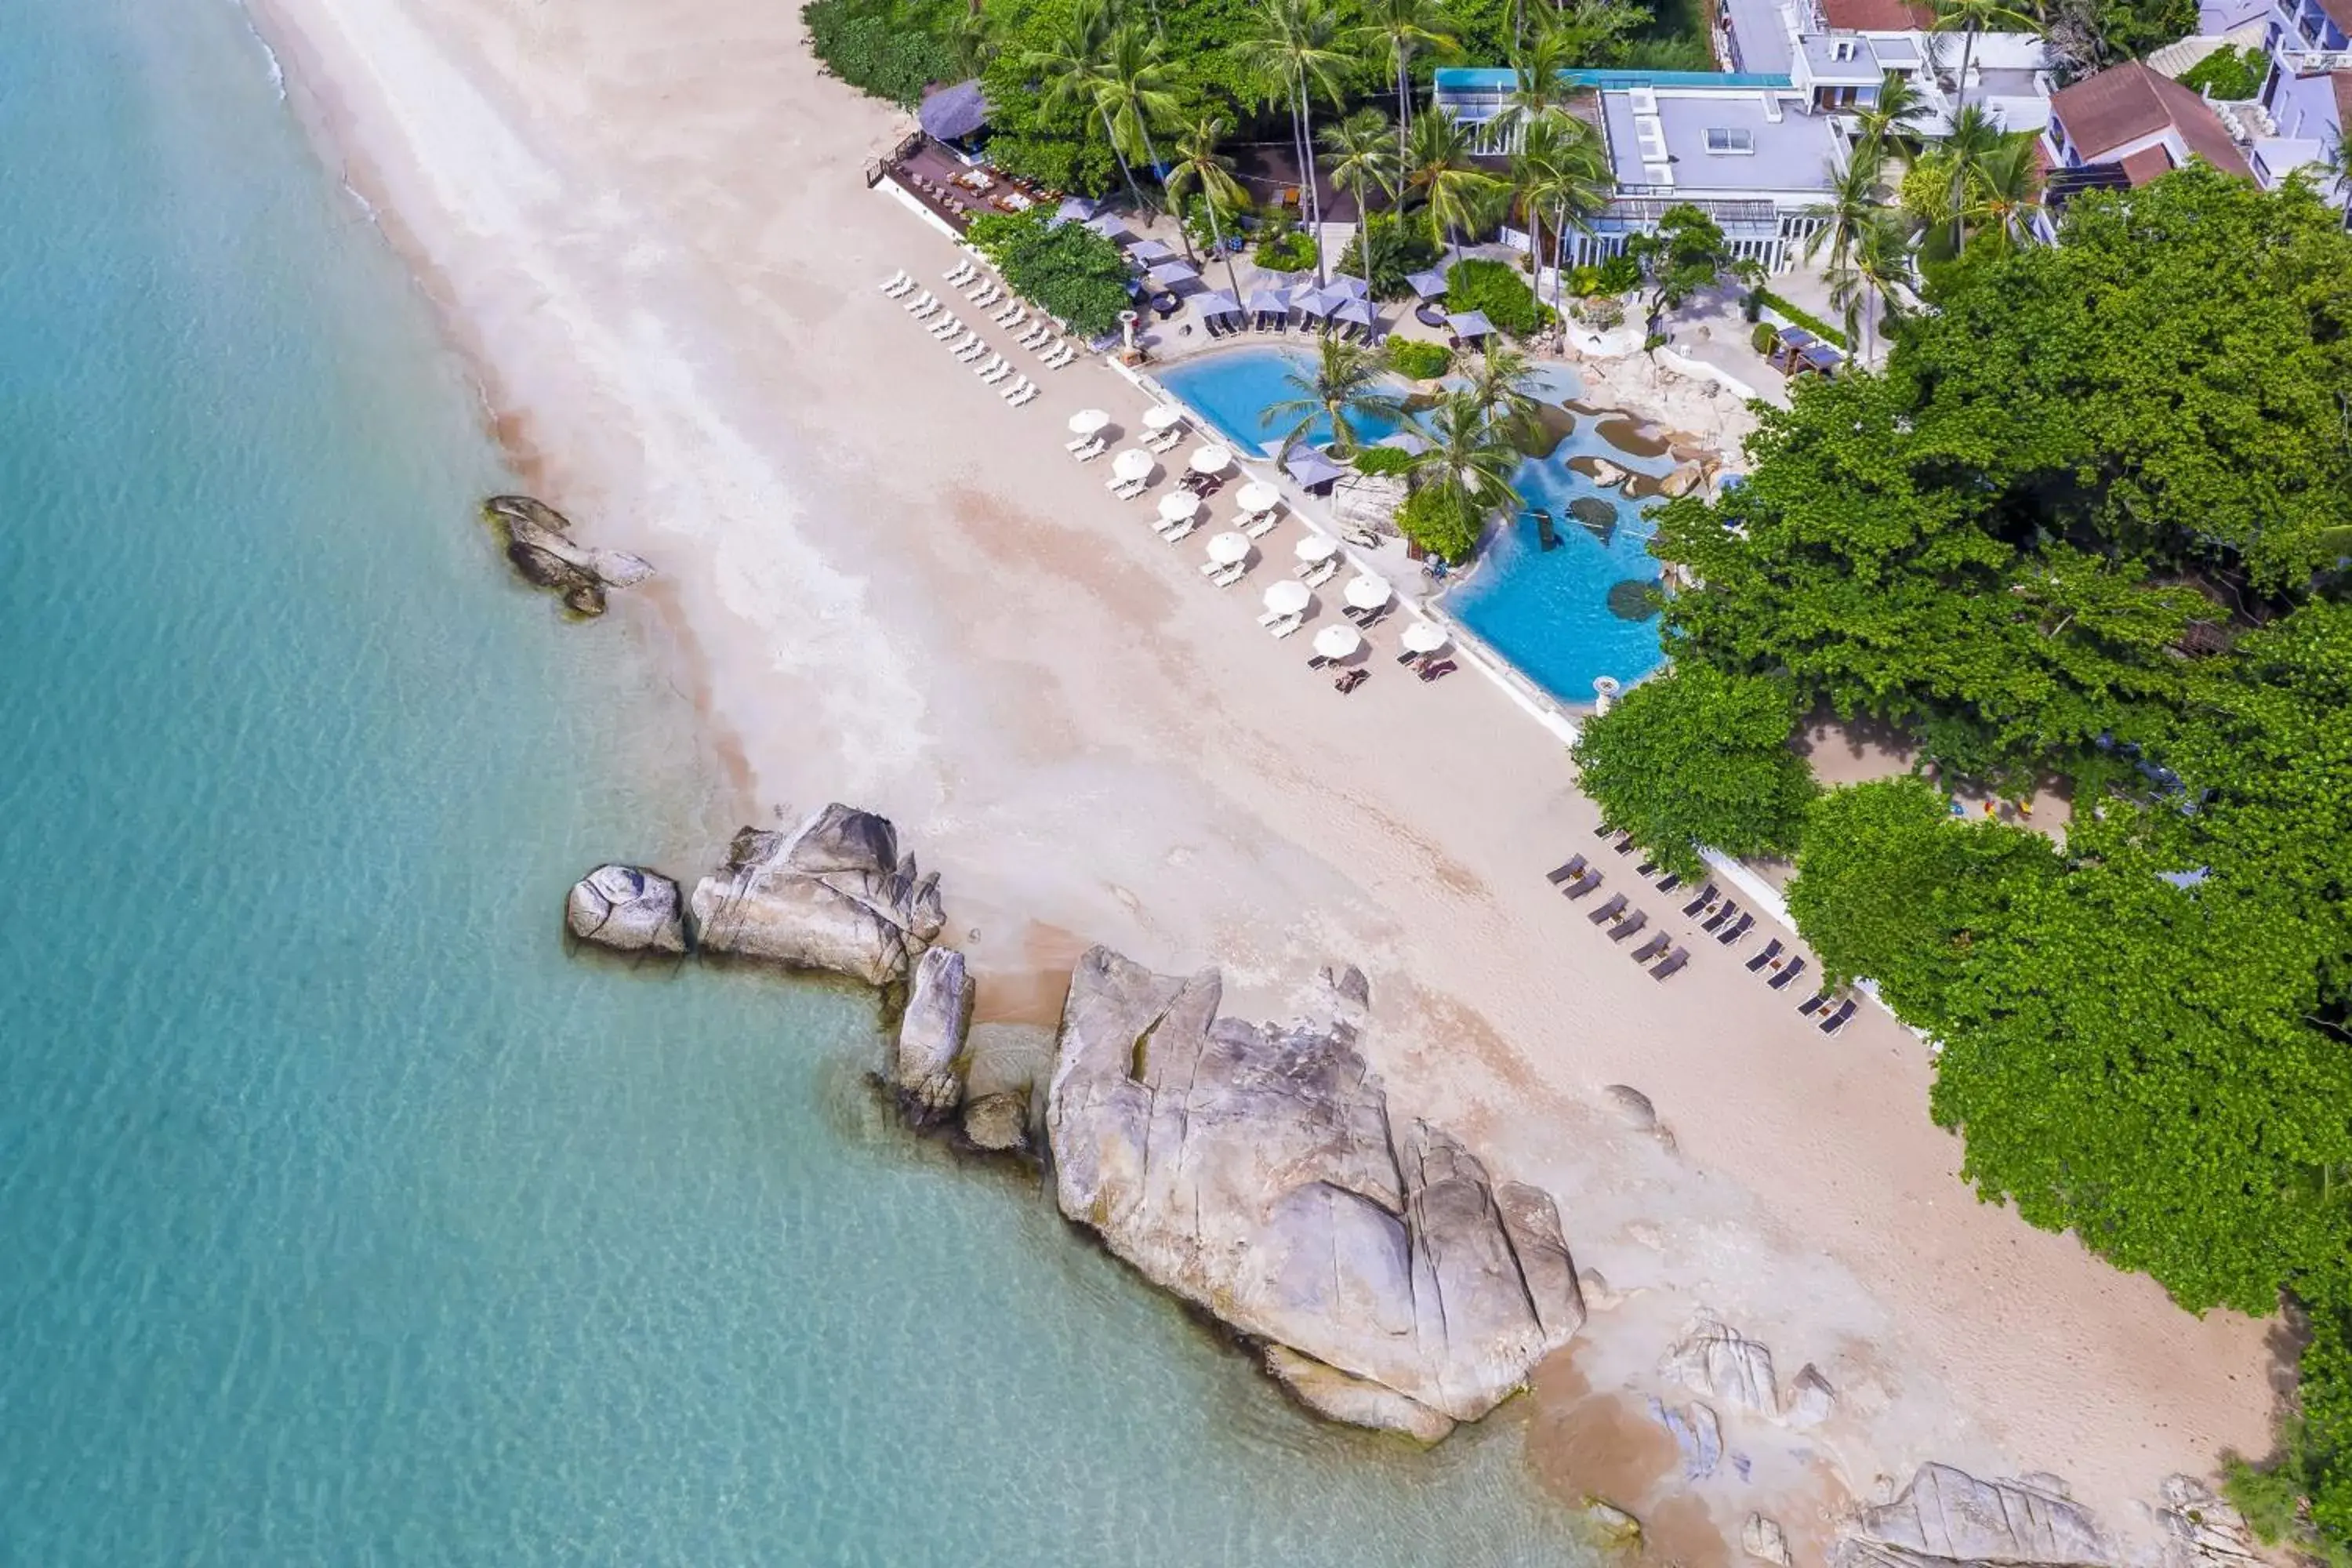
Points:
(1719, 140)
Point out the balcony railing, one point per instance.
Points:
(2302, 50)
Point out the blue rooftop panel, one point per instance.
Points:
(1494, 78)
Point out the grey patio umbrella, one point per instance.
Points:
(1315, 302)
(1151, 250)
(1219, 303)
(1427, 285)
(1268, 303)
(1359, 311)
(1168, 274)
(1310, 468)
(1470, 325)
(1348, 285)
(1109, 229)
(1404, 441)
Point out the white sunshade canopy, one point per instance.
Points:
(1318, 547)
(1367, 593)
(1087, 421)
(1133, 464)
(1287, 598)
(1338, 642)
(1423, 637)
(1160, 416)
(1210, 460)
(1229, 549)
(1259, 496)
(1178, 506)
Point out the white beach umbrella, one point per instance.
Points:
(1087, 421)
(1132, 464)
(1286, 597)
(1423, 637)
(1230, 549)
(1317, 547)
(1160, 416)
(1178, 506)
(1210, 460)
(1367, 593)
(1338, 642)
(1259, 496)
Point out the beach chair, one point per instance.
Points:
(1166, 439)
(1028, 394)
(1652, 948)
(1670, 883)
(1705, 897)
(897, 283)
(1584, 884)
(1836, 1020)
(1625, 846)
(1575, 866)
(946, 326)
(970, 353)
(996, 373)
(1629, 925)
(1320, 572)
(1721, 918)
(1177, 533)
(1127, 490)
(1063, 358)
(1674, 963)
(1438, 671)
(1733, 932)
(1756, 964)
(1349, 680)
(1781, 981)
(1609, 911)
(1010, 314)
(1226, 576)
(1604, 831)
(1646, 869)
(1287, 624)
(1814, 1003)
(1012, 389)
(1087, 450)
(961, 270)
(1260, 526)
(922, 303)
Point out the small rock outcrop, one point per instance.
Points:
(1947, 1516)
(1698, 1434)
(627, 908)
(1715, 1361)
(2201, 1530)
(1255, 1171)
(1328, 1391)
(1765, 1541)
(832, 894)
(1812, 1400)
(932, 1034)
(537, 542)
(1611, 1526)
(1632, 1107)
(1685, 478)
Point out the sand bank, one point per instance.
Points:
(645, 219)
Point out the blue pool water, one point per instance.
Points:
(1545, 610)
(346, 1219)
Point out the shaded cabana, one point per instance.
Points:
(1149, 251)
(1314, 304)
(1355, 312)
(1467, 325)
(1217, 307)
(1311, 468)
(1174, 274)
(1821, 360)
(954, 113)
(1265, 302)
(1110, 229)
(1347, 286)
(1786, 344)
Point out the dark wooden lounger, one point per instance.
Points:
(1609, 911)
(1836, 1020)
(1813, 1005)
(1652, 948)
(1575, 868)
(1439, 670)
(1781, 981)
(1583, 884)
(1715, 921)
(1646, 868)
(1625, 845)
(1765, 957)
(1674, 960)
(1670, 884)
(1737, 929)
(1705, 897)
(1629, 925)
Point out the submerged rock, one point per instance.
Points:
(1359, 1402)
(832, 894)
(1255, 1172)
(628, 908)
(1947, 1516)
(997, 1122)
(1611, 1526)
(1685, 478)
(932, 1034)
(537, 542)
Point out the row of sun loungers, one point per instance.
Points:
(963, 342)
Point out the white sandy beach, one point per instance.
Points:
(645, 219)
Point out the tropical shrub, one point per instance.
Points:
(2228, 73)
(875, 47)
(1764, 338)
(1284, 248)
(1069, 270)
(1795, 317)
(1418, 360)
(1383, 460)
(1496, 288)
(1442, 523)
(1397, 252)
(1695, 758)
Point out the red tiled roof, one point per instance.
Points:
(2337, 10)
(2124, 103)
(2146, 164)
(2342, 82)
(1876, 16)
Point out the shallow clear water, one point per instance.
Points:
(346, 1218)
(1546, 611)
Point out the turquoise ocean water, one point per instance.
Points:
(343, 1217)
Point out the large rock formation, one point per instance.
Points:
(1255, 1172)
(1717, 1361)
(932, 1034)
(833, 894)
(1947, 1516)
(626, 907)
(537, 542)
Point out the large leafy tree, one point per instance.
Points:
(1697, 758)
(1294, 48)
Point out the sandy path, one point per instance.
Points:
(646, 218)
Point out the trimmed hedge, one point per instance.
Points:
(1418, 360)
(1496, 288)
(1383, 460)
(1070, 271)
(1795, 317)
(1287, 250)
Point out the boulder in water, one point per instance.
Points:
(538, 541)
(1328, 1391)
(832, 894)
(628, 908)
(931, 1033)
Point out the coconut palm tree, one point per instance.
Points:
(1199, 165)
(1439, 170)
(1969, 17)
(1973, 143)
(1559, 175)
(1364, 162)
(1856, 197)
(1537, 90)
(1391, 32)
(1348, 381)
(1468, 459)
(1502, 383)
(1074, 72)
(1898, 104)
(1880, 263)
(1999, 210)
(1136, 91)
(1291, 45)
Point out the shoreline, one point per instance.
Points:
(1090, 743)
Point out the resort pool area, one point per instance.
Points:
(1233, 388)
(1548, 612)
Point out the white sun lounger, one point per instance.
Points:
(972, 352)
(1127, 489)
(1090, 449)
(1226, 576)
(897, 283)
(1010, 316)
(962, 269)
(1260, 526)
(996, 373)
(1287, 624)
(1014, 385)
(923, 303)
(1028, 394)
(960, 341)
(1320, 572)
(1177, 532)
(945, 325)
(1065, 357)
(1273, 617)
(1166, 439)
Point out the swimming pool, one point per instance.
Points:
(1546, 611)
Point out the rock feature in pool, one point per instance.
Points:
(1597, 516)
(1633, 599)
